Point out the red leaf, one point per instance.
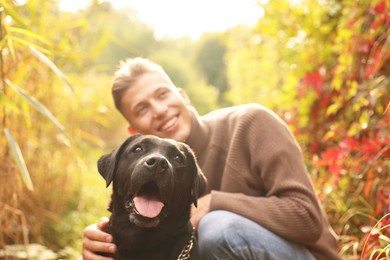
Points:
(368, 184)
(366, 46)
(378, 208)
(380, 7)
(374, 62)
(331, 158)
(378, 22)
(369, 148)
(350, 144)
(315, 79)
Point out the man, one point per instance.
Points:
(260, 203)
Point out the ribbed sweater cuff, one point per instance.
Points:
(217, 200)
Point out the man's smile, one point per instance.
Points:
(169, 124)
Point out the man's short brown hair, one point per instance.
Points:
(128, 73)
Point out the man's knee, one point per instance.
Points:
(222, 235)
(225, 235)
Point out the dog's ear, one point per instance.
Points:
(199, 181)
(107, 164)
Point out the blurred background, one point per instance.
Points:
(322, 65)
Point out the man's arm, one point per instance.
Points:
(203, 208)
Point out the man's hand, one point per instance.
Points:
(203, 208)
(95, 240)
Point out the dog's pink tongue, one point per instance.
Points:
(147, 207)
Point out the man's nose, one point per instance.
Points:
(159, 109)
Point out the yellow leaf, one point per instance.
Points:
(18, 157)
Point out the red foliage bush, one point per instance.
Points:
(347, 139)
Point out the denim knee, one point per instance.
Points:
(221, 237)
(225, 235)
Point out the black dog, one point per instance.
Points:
(155, 181)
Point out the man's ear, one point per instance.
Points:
(184, 95)
(131, 130)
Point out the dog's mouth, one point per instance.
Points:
(146, 206)
(147, 202)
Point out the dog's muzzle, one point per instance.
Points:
(151, 190)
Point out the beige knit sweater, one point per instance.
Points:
(255, 168)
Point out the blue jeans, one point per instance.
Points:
(225, 235)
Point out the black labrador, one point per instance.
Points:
(155, 181)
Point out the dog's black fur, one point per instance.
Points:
(157, 169)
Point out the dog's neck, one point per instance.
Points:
(186, 251)
(183, 237)
(186, 235)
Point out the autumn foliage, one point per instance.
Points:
(348, 137)
(323, 66)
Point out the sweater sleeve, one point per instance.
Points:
(286, 203)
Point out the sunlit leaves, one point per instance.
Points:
(18, 157)
(4, 100)
(18, 33)
(333, 108)
(42, 57)
(21, 34)
(376, 242)
(343, 70)
(40, 108)
(352, 90)
(9, 10)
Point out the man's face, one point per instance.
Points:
(154, 106)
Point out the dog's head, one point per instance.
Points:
(152, 177)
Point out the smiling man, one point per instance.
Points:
(153, 105)
(259, 202)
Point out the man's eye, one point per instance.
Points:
(163, 94)
(140, 110)
(137, 149)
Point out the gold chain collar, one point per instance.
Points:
(185, 253)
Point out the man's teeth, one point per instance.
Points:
(169, 124)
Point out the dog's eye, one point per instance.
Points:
(179, 158)
(137, 149)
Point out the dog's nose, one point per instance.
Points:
(157, 163)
